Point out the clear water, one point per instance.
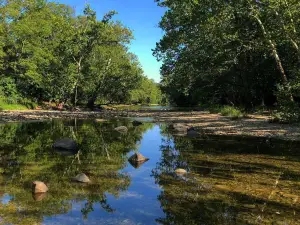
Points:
(230, 180)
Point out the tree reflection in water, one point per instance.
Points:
(26, 155)
(231, 181)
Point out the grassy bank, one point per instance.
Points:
(22, 105)
(229, 111)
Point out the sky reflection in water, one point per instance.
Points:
(231, 181)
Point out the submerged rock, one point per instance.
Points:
(39, 187)
(137, 158)
(180, 171)
(82, 178)
(137, 123)
(122, 129)
(65, 144)
(180, 128)
(192, 133)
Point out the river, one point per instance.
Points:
(229, 181)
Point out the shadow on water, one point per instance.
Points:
(229, 181)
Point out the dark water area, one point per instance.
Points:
(229, 180)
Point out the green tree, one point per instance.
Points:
(228, 52)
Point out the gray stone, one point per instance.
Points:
(122, 129)
(65, 144)
(137, 157)
(192, 133)
(82, 178)
(180, 128)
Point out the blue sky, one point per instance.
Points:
(141, 16)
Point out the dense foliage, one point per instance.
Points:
(241, 52)
(148, 93)
(47, 54)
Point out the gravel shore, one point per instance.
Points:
(204, 122)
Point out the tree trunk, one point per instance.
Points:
(275, 55)
(91, 102)
(76, 84)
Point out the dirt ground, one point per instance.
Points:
(254, 125)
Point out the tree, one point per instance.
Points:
(233, 52)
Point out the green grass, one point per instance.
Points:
(231, 112)
(4, 105)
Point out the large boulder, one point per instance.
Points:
(39, 187)
(122, 129)
(65, 144)
(82, 178)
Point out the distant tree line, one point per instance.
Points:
(243, 52)
(47, 54)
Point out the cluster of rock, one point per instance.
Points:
(123, 129)
(67, 146)
(183, 129)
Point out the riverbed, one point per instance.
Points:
(230, 179)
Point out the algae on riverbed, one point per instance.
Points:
(229, 181)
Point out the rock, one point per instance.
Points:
(39, 196)
(39, 187)
(82, 178)
(137, 157)
(65, 144)
(179, 128)
(136, 165)
(100, 120)
(122, 129)
(192, 133)
(180, 171)
(137, 123)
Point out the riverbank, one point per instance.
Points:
(204, 122)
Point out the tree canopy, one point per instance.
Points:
(47, 54)
(233, 52)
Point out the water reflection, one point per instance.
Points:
(229, 180)
(26, 155)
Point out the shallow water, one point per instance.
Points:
(230, 180)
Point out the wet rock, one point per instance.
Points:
(137, 158)
(136, 164)
(39, 187)
(39, 196)
(180, 171)
(180, 128)
(137, 123)
(82, 178)
(122, 129)
(192, 133)
(65, 144)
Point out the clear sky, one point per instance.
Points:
(141, 16)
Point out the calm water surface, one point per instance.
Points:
(230, 181)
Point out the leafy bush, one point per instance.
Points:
(231, 112)
(289, 111)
